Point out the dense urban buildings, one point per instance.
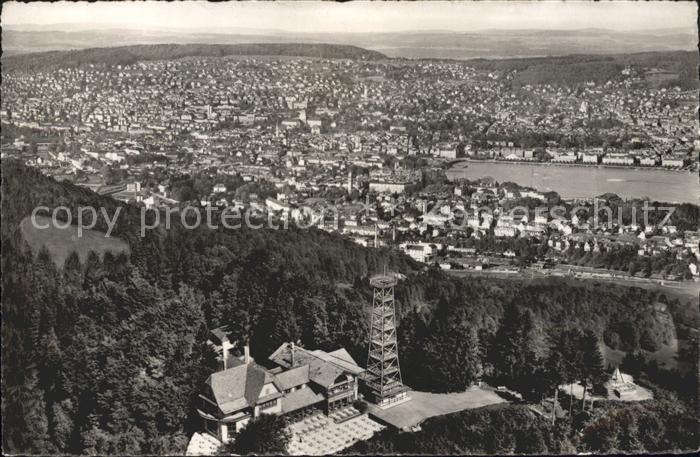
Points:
(294, 137)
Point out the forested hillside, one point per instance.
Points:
(127, 55)
(107, 355)
(598, 68)
(654, 426)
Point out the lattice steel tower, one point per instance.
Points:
(383, 375)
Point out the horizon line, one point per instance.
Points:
(200, 29)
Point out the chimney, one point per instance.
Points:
(225, 348)
(246, 354)
(292, 351)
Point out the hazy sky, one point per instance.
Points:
(310, 16)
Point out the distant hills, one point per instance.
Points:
(526, 43)
(677, 68)
(673, 68)
(540, 56)
(125, 55)
(409, 44)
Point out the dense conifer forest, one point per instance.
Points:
(107, 355)
(650, 426)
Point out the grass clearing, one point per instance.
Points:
(61, 242)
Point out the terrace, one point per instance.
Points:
(321, 435)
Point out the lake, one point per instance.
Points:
(587, 182)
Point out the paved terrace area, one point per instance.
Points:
(424, 405)
(203, 444)
(321, 435)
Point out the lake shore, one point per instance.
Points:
(454, 165)
(574, 181)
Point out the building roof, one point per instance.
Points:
(342, 358)
(219, 334)
(272, 396)
(293, 377)
(324, 369)
(237, 387)
(298, 399)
